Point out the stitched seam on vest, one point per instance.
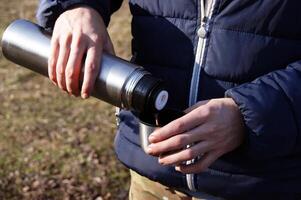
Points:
(160, 16)
(224, 81)
(253, 34)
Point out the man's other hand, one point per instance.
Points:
(215, 127)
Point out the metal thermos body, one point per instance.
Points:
(119, 82)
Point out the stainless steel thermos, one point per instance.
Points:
(119, 82)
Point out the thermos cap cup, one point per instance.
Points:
(149, 124)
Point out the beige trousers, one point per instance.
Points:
(143, 188)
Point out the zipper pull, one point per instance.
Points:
(202, 32)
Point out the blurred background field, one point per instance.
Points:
(53, 146)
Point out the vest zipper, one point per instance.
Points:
(206, 14)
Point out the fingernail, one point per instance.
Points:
(177, 168)
(161, 162)
(149, 150)
(151, 138)
(84, 95)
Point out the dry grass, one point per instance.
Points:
(53, 146)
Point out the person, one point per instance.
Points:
(233, 66)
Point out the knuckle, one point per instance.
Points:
(180, 141)
(60, 72)
(69, 73)
(92, 68)
(96, 38)
(69, 78)
(206, 112)
(179, 126)
(213, 108)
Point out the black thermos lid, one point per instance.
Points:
(149, 95)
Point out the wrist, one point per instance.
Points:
(95, 5)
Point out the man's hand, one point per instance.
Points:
(215, 127)
(78, 39)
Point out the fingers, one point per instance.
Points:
(62, 60)
(73, 68)
(178, 126)
(77, 32)
(178, 142)
(186, 154)
(91, 70)
(66, 62)
(53, 59)
(201, 165)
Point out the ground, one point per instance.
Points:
(53, 146)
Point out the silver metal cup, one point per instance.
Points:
(144, 132)
(148, 124)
